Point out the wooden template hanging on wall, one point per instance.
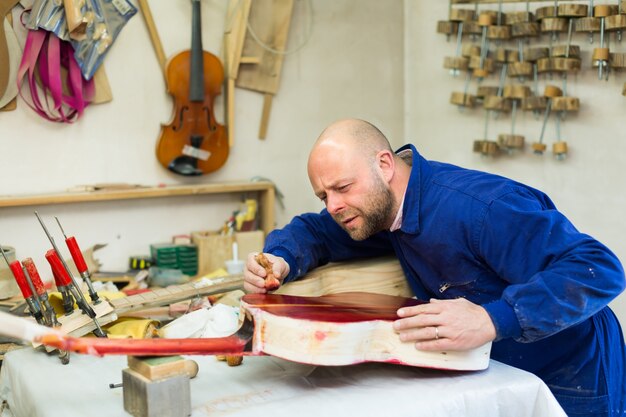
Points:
(269, 20)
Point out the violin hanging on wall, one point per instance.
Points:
(193, 143)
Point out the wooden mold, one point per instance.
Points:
(512, 18)
(462, 99)
(496, 103)
(573, 10)
(486, 147)
(520, 69)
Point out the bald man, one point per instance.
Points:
(495, 258)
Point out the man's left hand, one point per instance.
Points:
(445, 325)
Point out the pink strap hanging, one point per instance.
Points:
(45, 55)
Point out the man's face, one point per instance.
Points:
(354, 193)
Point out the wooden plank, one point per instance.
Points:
(382, 275)
(234, 35)
(269, 20)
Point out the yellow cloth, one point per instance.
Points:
(131, 328)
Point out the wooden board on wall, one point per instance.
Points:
(269, 20)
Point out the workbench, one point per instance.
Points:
(35, 384)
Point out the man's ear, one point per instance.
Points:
(386, 163)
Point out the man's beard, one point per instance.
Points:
(375, 215)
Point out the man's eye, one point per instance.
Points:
(343, 187)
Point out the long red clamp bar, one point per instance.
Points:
(31, 269)
(22, 283)
(80, 263)
(61, 279)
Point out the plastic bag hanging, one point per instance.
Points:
(104, 19)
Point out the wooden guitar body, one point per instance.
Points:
(337, 329)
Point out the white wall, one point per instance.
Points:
(115, 142)
(589, 186)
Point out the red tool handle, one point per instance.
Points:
(77, 255)
(61, 278)
(34, 275)
(20, 278)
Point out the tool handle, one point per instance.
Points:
(61, 278)
(34, 275)
(20, 278)
(77, 255)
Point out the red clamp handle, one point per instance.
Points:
(20, 278)
(77, 255)
(34, 275)
(61, 278)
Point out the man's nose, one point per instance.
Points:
(334, 203)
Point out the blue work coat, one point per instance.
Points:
(502, 245)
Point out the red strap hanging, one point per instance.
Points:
(45, 55)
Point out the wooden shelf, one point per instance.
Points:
(504, 1)
(264, 188)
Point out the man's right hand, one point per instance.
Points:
(254, 274)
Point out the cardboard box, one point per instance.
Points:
(214, 249)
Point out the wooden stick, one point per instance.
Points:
(265, 116)
(238, 11)
(230, 110)
(154, 35)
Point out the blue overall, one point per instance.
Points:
(502, 245)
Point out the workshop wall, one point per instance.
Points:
(588, 186)
(350, 66)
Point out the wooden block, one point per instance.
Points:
(79, 324)
(249, 242)
(159, 367)
(213, 250)
(166, 397)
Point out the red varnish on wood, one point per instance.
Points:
(338, 308)
(338, 329)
